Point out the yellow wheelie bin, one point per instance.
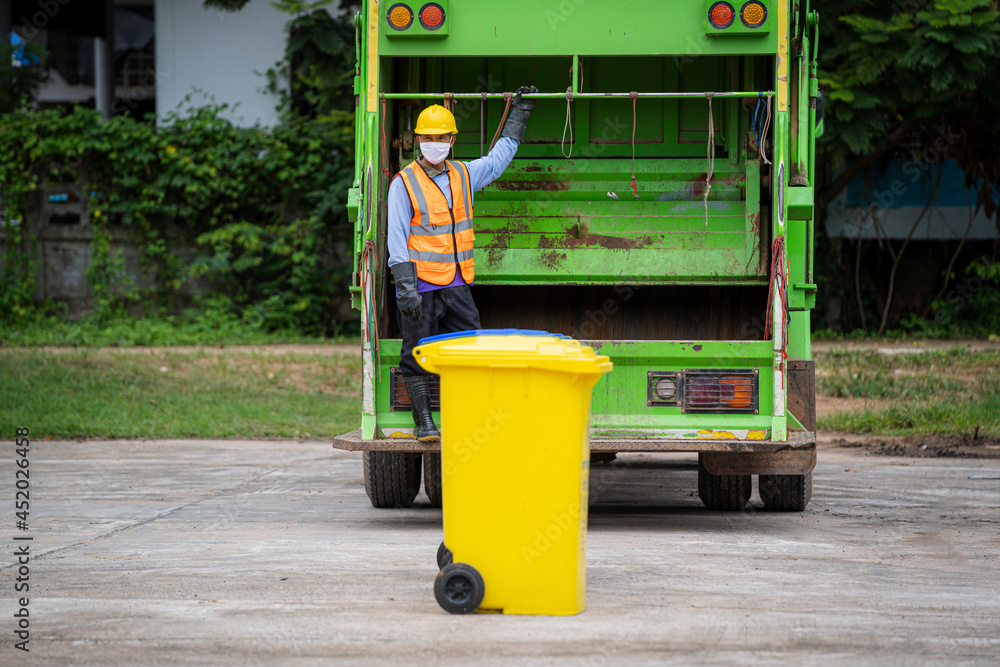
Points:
(515, 468)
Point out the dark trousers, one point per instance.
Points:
(445, 311)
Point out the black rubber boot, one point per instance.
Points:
(418, 387)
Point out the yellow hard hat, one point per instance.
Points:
(435, 119)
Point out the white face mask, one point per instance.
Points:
(435, 151)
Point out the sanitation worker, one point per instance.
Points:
(430, 239)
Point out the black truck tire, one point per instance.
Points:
(392, 479)
(723, 493)
(785, 493)
(432, 478)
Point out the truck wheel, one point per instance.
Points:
(459, 588)
(392, 479)
(786, 493)
(727, 493)
(444, 556)
(432, 478)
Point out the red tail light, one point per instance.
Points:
(721, 15)
(432, 16)
(720, 391)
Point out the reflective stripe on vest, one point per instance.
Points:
(435, 228)
(440, 257)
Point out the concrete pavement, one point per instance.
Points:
(268, 552)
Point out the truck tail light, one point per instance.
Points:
(753, 14)
(716, 390)
(736, 391)
(400, 16)
(720, 391)
(721, 15)
(432, 16)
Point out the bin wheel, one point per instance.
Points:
(392, 479)
(444, 556)
(785, 493)
(459, 588)
(726, 493)
(432, 478)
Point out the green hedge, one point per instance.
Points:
(264, 207)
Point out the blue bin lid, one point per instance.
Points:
(489, 332)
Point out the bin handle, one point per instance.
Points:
(428, 365)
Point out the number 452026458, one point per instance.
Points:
(21, 477)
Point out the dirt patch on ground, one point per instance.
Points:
(906, 346)
(827, 406)
(920, 446)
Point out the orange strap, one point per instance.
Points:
(509, 97)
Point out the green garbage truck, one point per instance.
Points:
(660, 209)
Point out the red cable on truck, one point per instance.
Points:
(778, 289)
(509, 97)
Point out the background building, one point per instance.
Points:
(160, 52)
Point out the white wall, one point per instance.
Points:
(219, 52)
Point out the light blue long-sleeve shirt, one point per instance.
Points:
(482, 172)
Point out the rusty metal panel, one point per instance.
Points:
(802, 392)
(798, 461)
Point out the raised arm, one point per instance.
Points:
(487, 169)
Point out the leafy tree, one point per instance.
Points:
(896, 70)
(19, 81)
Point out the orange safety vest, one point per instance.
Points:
(440, 237)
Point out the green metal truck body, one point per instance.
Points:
(671, 278)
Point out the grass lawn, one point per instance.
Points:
(258, 392)
(207, 393)
(946, 392)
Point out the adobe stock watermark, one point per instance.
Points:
(613, 130)
(696, 45)
(753, 329)
(474, 440)
(563, 11)
(145, 89)
(561, 523)
(47, 10)
(466, 106)
(595, 319)
(913, 169)
(610, 649)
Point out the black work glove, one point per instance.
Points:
(410, 303)
(517, 120)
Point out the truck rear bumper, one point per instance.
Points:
(796, 440)
(795, 456)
